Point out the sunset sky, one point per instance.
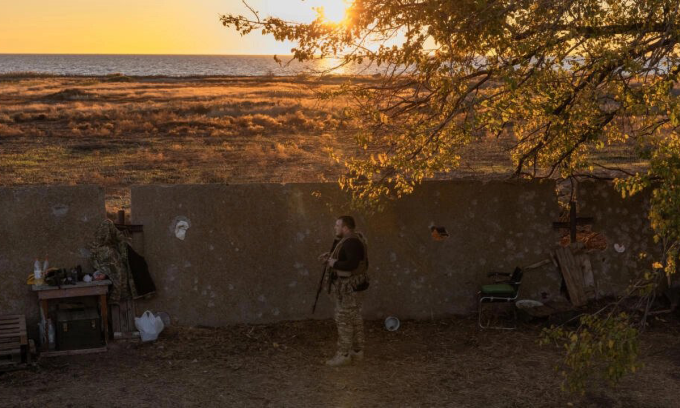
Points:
(143, 26)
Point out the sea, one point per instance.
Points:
(175, 65)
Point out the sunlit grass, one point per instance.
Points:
(71, 130)
(87, 130)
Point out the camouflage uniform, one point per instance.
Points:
(348, 303)
(109, 255)
(348, 317)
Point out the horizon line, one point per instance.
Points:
(143, 54)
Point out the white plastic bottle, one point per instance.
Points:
(37, 273)
(46, 265)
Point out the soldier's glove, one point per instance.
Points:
(324, 257)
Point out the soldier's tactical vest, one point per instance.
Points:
(357, 279)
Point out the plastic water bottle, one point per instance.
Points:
(46, 265)
(37, 273)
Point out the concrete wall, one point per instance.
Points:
(250, 252)
(625, 224)
(37, 221)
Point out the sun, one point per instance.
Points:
(333, 11)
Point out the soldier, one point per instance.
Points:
(348, 263)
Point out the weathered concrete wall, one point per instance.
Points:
(625, 225)
(250, 252)
(56, 221)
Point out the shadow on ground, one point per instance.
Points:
(443, 363)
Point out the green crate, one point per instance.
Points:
(79, 329)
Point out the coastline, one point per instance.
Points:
(28, 75)
(149, 65)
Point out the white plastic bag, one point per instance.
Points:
(149, 326)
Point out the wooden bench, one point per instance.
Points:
(13, 340)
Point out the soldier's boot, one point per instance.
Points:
(357, 356)
(339, 360)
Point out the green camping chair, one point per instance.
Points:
(505, 289)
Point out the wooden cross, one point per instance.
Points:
(122, 226)
(573, 222)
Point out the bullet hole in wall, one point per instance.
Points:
(438, 233)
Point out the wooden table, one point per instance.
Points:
(94, 288)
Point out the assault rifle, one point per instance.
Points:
(323, 275)
(318, 290)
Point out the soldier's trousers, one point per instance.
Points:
(349, 321)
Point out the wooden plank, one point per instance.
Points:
(8, 339)
(73, 352)
(13, 325)
(124, 320)
(9, 322)
(44, 315)
(130, 227)
(10, 356)
(105, 316)
(30, 352)
(131, 313)
(10, 346)
(23, 338)
(10, 317)
(48, 288)
(73, 292)
(573, 277)
(126, 317)
(13, 330)
(17, 333)
(115, 317)
(123, 317)
(11, 360)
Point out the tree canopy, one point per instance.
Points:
(562, 79)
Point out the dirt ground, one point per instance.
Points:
(441, 363)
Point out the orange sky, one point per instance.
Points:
(143, 26)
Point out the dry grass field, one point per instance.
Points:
(117, 131)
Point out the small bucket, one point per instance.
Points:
(392, 323)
